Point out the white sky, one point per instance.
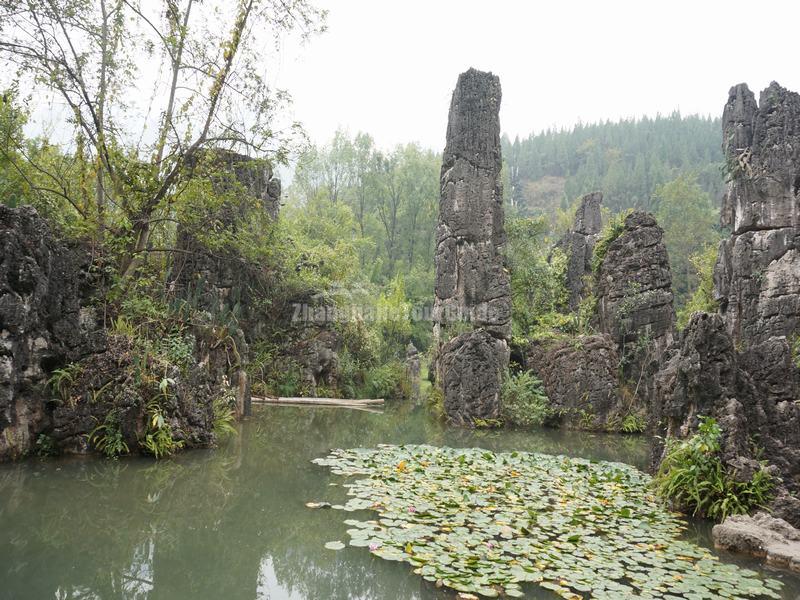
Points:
(389, 67)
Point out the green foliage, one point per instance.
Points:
(689, 220)
(159, 437)
(693, 478)
(538, 293)
(107, 436)
(387, 381)
(524, 400)
(62, 380)
(14, 189)
(702, 299)
(46, 445)
(613, 228)
(627, 160)
(633, 423)
(795, 349)
(435, 402)
(224, 415)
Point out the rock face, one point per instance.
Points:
(633, 286)
(412, 371)
(705, 376)
(49, 326)
(761, 536)
(222, 282)
(46, 321)
(471, 281)
(472, 365)
(739, 366)
(578, 246)
(107, 391)
(580, 378)
(757, 276)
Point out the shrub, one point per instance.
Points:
(524, 400)
(159, 439)
(224, 415)
(693, 478)
(46, 445)
(612, 230)
(633, 423)
(387, 381)
(702, 300)
(107, 437)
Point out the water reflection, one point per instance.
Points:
(229, 523)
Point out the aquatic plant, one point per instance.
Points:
(488, 523)
(693, 478)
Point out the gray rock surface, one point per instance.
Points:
(580, 379)
(761, 536)
(578, 246)
(413, 369)
(633, 285)
(705, 376)
(757, 275)
(739, 366)
(472, 365)
(46, 321)
(471, 280)
(223, 282)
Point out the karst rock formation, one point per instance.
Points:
(578, 246)
(472, 306)
(740, 366)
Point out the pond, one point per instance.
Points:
(232, 523)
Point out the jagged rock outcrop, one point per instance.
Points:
(214, 280)
(471, 281)
(757, 275)
(223, 282)
(633, 286)
(108, 389)
(705, 376)
(46, 321)
(739, 366)
(761, 536)
(472, 366)
(578, 246)
(412, 371)
(580, 377)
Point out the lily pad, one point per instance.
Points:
(334, 546)
(484, 523)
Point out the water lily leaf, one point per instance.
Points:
(483, 523)
(334, 546)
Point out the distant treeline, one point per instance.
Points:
(627, 160)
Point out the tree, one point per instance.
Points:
(689, 221)
(210, 92)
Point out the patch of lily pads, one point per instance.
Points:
(489, 523)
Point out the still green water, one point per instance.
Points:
(231, 524)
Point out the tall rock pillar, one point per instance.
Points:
(472, 307)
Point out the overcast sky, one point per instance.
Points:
(389, 67)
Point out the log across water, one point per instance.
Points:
(349, 402)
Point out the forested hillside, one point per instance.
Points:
(627, 160)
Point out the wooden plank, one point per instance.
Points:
(319, 401)
(370, 408)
